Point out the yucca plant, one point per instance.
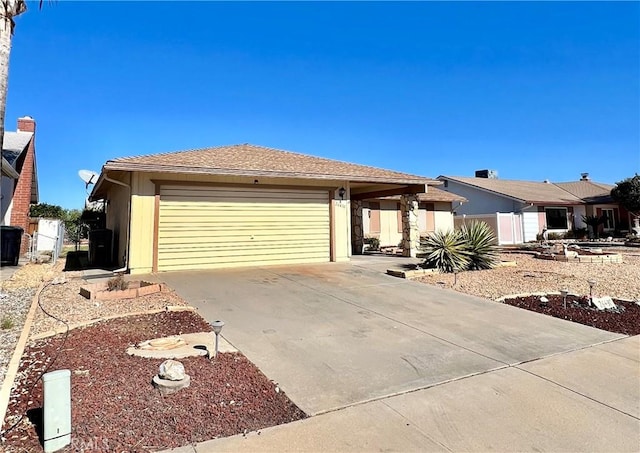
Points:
(445, 251)
(481, 245)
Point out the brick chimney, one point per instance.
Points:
(25, 182)
(26, 124)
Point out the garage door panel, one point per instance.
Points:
(241, 205)
(208, 227)
(204, 256)
(223, 264)
(241, 239)
(250, 195)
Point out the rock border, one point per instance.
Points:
(415, 273)
(551, 293)
(611, 258)
(135, 289)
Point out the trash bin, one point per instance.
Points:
(10, 241)
(101, 248)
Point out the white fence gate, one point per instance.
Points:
(49, 237)
(507, 226)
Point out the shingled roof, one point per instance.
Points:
(589, 191)
(576, 192)
(253, 160)
(433, 195)
(14, 144)
(523, 191)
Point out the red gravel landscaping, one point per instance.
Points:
(625, 320)
(114, 405)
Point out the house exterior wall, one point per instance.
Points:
(479, 201)
(143, 206)
(6, 190)
(431, 217)
(390, 226)
(578, 212)
(442, 216)
(616, 213)
(117, 219)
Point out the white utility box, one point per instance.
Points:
(57, 410)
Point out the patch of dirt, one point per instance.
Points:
(625, 320)
(31, 275)
(116, 408)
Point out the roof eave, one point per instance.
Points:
(554, 202)
(147, 168)
(8, 170)
(493, 192)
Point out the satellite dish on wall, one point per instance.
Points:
(88, 176)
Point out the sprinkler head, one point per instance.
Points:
(217, 326)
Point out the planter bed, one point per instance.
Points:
(134, 289)
(116, 408)
(625, 320)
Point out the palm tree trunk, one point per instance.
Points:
(8, 10)
(5, 50)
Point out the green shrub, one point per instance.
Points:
(372, 242)
(594, 222)
(445, 251)
(7, 323)
(117, 283)
(481, 245)
(576, 233)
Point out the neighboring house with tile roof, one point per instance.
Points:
(382, 216)
(245, 205)
(19, 183)
(527, 208)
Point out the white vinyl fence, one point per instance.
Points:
(48, 238)
(507, 226)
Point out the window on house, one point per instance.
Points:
(556, 218)
(609, 220)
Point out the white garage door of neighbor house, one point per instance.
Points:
(204, 227)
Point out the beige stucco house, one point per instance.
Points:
(382, 217)
(246, 205)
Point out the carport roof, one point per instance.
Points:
(433, 194)
(253, 160)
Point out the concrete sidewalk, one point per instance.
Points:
(584, 400)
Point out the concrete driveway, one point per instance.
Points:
(338, 335)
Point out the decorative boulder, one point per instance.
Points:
(171, 370)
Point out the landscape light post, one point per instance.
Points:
(563, 293)
(591, 283)
(217, 328)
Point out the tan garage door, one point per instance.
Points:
(210, 227)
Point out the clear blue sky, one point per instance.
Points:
(540, 90)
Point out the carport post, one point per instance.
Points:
(410, 231)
